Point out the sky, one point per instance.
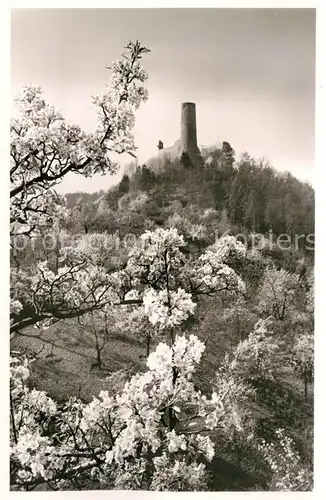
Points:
(251, 73)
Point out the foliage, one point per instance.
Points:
(160, 428)
(248, 195)
(278, 294)
(303, 358)
(148, 424)
(257, 356)
(44, 147)
(158, 423)
(310, 295)
(289, 473)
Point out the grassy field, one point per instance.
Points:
(66, 356)
(64, 365)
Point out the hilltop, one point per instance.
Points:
(242, 197)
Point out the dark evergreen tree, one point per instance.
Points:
(124, 184)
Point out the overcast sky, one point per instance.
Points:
(249, 71)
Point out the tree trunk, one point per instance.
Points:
(99, 359)
(239, 334)
(237, 455)
(305, 388)
(12, 414)
(57, 255)
(148, 344)
(98, 352)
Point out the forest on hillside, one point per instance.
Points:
(249, 195)
(241, 198)
(162, 332)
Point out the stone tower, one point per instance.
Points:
(188, 137)
(186, 144)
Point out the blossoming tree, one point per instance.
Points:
(278, 293)
(303, 359)
(159, 423)
(140, 434)
(45, 147)
(158, 432)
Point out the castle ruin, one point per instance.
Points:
(187, 142)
